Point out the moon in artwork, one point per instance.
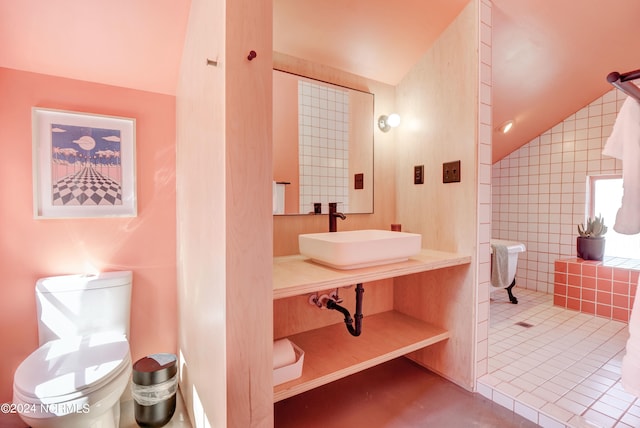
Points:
(85, 142)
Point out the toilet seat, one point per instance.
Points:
(65, 369)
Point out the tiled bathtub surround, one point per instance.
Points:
(606, 289)
(539, 191)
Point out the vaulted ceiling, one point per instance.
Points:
(550, 58)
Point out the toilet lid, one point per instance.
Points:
(77, 365)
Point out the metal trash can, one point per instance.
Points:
(154, 387)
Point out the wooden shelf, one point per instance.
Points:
(331, 353)
(295, 275)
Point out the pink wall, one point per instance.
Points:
(31, 249)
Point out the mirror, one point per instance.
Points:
(322, 146)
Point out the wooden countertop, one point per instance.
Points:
(296, 275)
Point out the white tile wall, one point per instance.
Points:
(485, 127)
(323, 146)
(539, 192)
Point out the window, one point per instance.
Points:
(606, 197)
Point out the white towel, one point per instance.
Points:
(624, 144)
(500, 266)
(631, 360)
(274, 193)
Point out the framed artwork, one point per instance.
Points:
(83, 165)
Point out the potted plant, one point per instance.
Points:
(590, 243)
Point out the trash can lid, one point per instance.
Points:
(154, 369)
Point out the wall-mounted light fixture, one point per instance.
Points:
(385, 123)
(506, 126)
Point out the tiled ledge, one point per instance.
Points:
(604, 288)
(485, 386)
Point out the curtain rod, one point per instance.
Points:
(623, 82)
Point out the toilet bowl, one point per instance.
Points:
(73, 382)
(76, 377)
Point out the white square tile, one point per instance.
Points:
(598, 418)
(589, 392)
(526, 411)
(579, 398)
(558, 389)
(523, 384)
(557, 412)
(484, 390)
(509, 389)
(607, 409)
(531, 400)
(596, 384)
(548, 422)
(635, 409)
(631, 420)
(545, 394)
(503, 400)
(613, 401)
(503, 376)
(618, 392)
(571, 406)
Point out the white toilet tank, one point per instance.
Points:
(81, 305)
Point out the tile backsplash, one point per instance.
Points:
(539, 192)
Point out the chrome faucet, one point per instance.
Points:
(333, 214)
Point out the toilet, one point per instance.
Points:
(83, 365)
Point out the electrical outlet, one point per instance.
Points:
(418, 174)
(358, 181)
(451, 172)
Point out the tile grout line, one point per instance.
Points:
(597, 355)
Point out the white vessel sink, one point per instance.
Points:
(359, 248)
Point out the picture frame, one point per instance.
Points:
(84, 164)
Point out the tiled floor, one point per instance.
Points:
(557, 367)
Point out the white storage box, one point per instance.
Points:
(292, 371)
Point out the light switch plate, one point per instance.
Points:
(451, 172)
(418, 174)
